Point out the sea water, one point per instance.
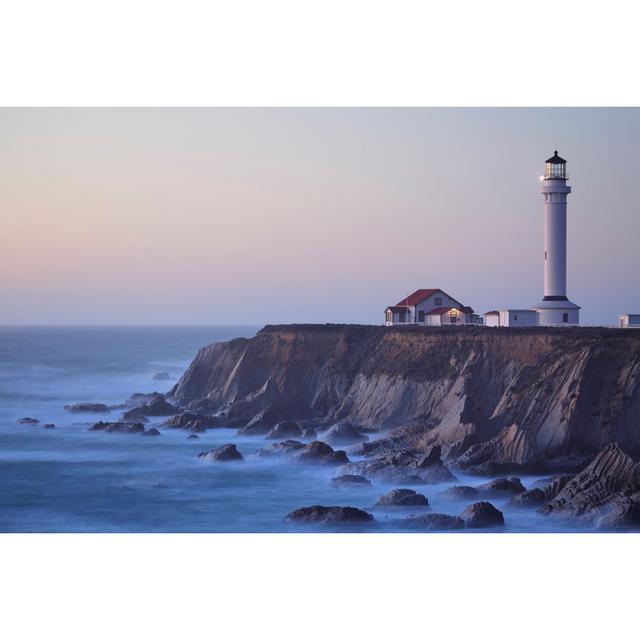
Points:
(70, 479)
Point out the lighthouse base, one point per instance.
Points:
(557, 312)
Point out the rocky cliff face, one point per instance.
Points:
(490, 398)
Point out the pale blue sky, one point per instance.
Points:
(251, 216)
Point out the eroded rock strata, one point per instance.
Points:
(491, 398)
(439, 400)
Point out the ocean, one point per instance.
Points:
(70, 479)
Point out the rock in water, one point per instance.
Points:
(350, 480)
(28, 420)
(530, 498)
(320, 514)
(501, 487)
(435, 522)
(405, 467)
(343, 433)
(118, 427)
(284, 431)
(193, 422)
(402, 498)
(225, 453)
(261, 423)
(320, 452)
(87, 407)
(151, 432)
(50, 426)
(157, 407)
(606, 494)
(161, 376)
(193, 436)
(285, 447)
(480, 515)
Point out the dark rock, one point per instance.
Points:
(161, 376)
(225, 453)
(350, 480)
(480, 515)
(28, 421)
(623, 512)
(435, 522)
(286, 447)
(157, 407)
(605, 495)
(151, 432)
(261, 423)
(343, 433)
(460, 492)
(501, 487)
(319, 514)
(118, 427)
(309, 434)
(193, 436)
(87, 407)
(138, 399)
(284, 431)
(403, 468)
(193, 422)
(402, 498)
(430, 459)
(552, 486)
(315, 452)
(530, 498)
(50, 426)
(322, 453)
(159, 485)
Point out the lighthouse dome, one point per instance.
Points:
(556, 159)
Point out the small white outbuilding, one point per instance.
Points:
(511, 318)
(629, 320)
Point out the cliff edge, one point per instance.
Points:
(490, 398)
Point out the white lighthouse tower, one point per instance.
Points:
(555, 307)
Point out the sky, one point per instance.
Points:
(254, 216)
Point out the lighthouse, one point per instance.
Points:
(555, 308)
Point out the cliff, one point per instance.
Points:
(491, 398)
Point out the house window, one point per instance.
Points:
(437, 302)
(515, 317)
(565, 317)
(389, 316)
(420, 316)
(403, 316)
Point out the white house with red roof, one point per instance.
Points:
(432, 307)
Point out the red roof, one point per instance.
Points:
(417, 297)
(439, 311)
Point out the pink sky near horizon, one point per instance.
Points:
(249, 216)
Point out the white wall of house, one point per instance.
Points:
(438, 299)
(518, 318)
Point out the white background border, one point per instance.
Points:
(319, 53)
